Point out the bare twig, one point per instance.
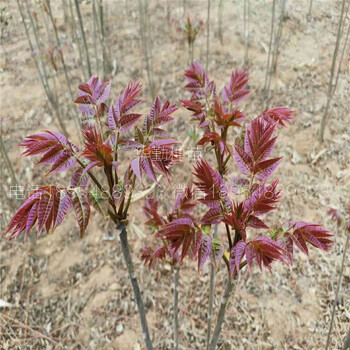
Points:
(58, 43)
(75, 38)
(176, 307)
(102, 36)
(37, 42)
(268, 67)
(42, 75)
(246, 30)
(220, 8)
(208, 34)
(332, 88)
(338, 289)
(35, 332)
(310, 10)
(83, 36)
(277, 40)
(95, 34)
(144, 39)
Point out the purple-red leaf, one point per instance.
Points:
(204, 251)
(281, 115)
(180, 233)
(264, 251)
(79, 198)
(212, 216)
(263, 199)
(243, 160)
(48, 205)
(235, 91)
(217, 251)
(211, 183)
(239, 251)
(303, 232)
(127, 121)
(264, 169)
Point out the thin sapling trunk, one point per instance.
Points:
(59, 46)
(268, 67)
(42, 74)
(143, 31)
(75, 38)
(220, 9)
(95, 35)
(335, 302)
(37, 43)
(221, 314)
(211, 295)
(123, 236)
(176, 307)
(208, 34)
(310, 11)
(83, 36)
(246, 30)
(65, 13)
(332, 88)
(102, 36)
(278, 40)
(346, 344)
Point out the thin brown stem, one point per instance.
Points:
(58, 43)
(330, 84)
(310, 10)
(176, 307)
(346, 43)
(102, 31)
(222, 311)
(83, 36)
(277, 41)
(123, 236)
(97, 183)
(144, 39)
(220, 8)
(246, 30)
(268, 67)
(208, 33)
(95, 35)
(338, 289)
(42, 75)
(229, 236)
(130, 196)
(211, 294)
(37, 42)
(75, 38)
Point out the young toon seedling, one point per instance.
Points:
(238, 204)
(190, 30)
(104, 130)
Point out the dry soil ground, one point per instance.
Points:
(75, 294)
